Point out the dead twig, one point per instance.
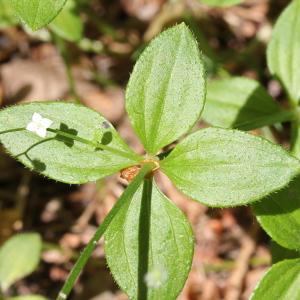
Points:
(235, 282)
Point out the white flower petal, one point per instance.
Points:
(36, 117)
(156, 277)
(41, 131)
(46, 122)
(32, 126)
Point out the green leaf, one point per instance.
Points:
(280, 253)
(28, 297)
(279, 215)
(125, 198)
(37, 13)
(68, 24)
(281, 282)
(165, 93)
(170, 246)
(221, 167)
(19, 257)
(60, 157)
(221, 2)
(241, 103)
(7, 17)
(283, 52)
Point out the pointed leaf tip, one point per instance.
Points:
(221, 167)
(166, 91)
(37, 13)
(170, 239)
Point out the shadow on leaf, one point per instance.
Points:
(37, 165)
(69, 142)
(281, 202)
(106, 138)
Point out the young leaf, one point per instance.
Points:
(19, 257)
(37, 13)
(60, 157)
(283, 52)
(280, 253)
(68, 24)
(156, 232)
(220, 167)
(7, 17)
(28, 297)
(241, 103)
(165, 93)
(279, 215)
(281, 282)
(221, 2)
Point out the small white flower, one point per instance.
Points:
(39, 125)
(156, 277)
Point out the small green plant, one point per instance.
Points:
(148, 241)
(19, 257)
(252, 107)
(145, 232)
(37, 13)
(65, 22)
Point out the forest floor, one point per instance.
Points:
(231, 250)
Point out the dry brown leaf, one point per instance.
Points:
(126, 132)
(109, 102)
(144, 10)
(31, 80)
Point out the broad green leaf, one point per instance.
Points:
(125, 198)
(7, 17)
(221, 167)
(241, 103)
(37, 13)
(68, 24)
(19, 257)
(280, 253)
(221, 2)
(279, 215)
(165, 93)
(170, 247)
(281, 282)
(283, 52)
(63, 158)
(28, 297)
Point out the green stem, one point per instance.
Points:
(95, 144)
(12, 130)
(295, 139)
(132, 156)
(1, 295)
(144, 238)
(295, 132)
(85, 255)
(61, 46)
